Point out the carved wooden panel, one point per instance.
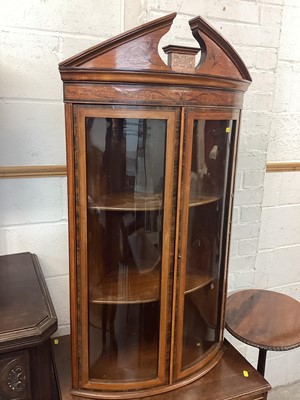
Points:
(15, 376)
(141, 95)
(181, 58)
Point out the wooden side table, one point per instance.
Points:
(264, 319)
(27, 319)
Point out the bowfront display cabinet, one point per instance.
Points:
(151, 150)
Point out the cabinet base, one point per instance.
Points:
(225, 381)
(153, 392)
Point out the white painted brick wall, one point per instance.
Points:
(247, 247)
(277, 264)
(48, 240)
(91, 17)
(45, 145)
(29, 201)
(284, 229)
(28, 66)
(36, 36)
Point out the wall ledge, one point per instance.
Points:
(32, 171)
(283, 166)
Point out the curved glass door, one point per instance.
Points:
(127, 249)
(205, 186)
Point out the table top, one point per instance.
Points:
(27, 316)
(264, 319)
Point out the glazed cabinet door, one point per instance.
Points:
(125, 182)
(204, 200)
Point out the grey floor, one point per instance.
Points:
(290, 392)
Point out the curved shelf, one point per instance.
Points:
(196, 279)
(127, 285)
(202, 200)
(128, 202)
(139, 202)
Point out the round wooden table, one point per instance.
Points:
(264, 319)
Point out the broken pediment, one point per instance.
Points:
(137, 50)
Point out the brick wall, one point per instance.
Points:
(37, 35)
(278, 258)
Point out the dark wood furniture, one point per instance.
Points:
(27, 319)
(264, 319)
(151, 152)
(233, 378)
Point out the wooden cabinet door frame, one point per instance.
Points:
(189, 115)
(82, 344)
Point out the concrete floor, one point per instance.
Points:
(289, 392)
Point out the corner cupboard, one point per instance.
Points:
(151, 150)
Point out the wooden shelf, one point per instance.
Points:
(202, 200)
(128, 202)
(139, 202)
(196, 279)
(127, 285)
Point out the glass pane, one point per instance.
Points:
(208, 177)
(125, 170)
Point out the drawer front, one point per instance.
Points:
(15, 376)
